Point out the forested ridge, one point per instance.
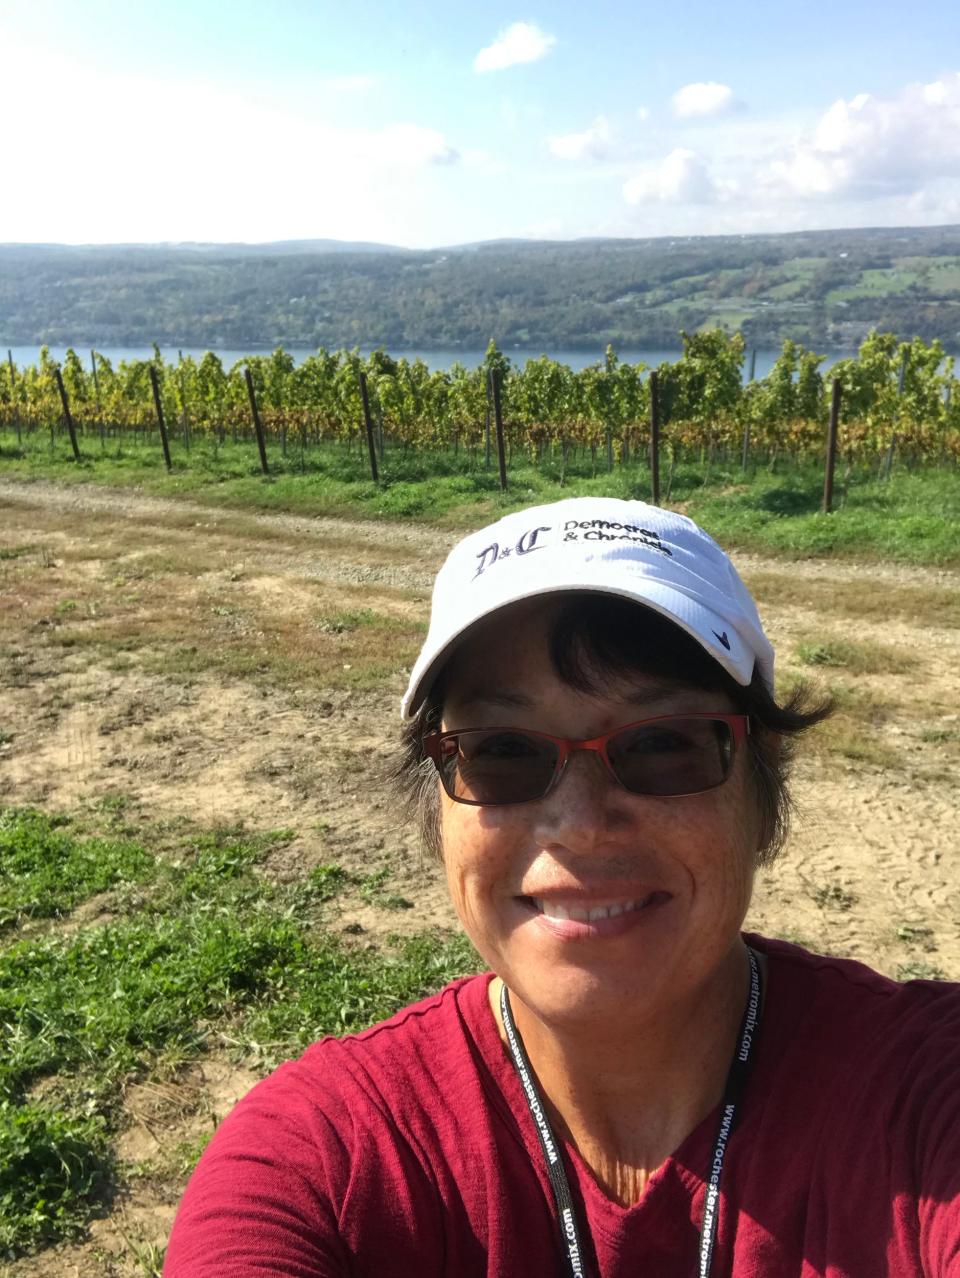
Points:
(823, 288)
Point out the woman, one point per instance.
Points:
(594, 748)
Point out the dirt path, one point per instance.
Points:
(420, 539)
(225, 666)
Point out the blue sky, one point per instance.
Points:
(428, 123)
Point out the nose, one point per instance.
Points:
(584, 805)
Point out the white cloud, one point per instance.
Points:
(681, 178)
(703, 98)
(871, 147)
(406, 145)
(591, 144)
(385, 175)
(520, 42)
(937, 203)
(643, 113)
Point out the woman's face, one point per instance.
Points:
(677, 872)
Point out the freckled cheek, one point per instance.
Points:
(734, 860)
(716, 842)
(480, 861)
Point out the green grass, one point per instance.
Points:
(859, 656)
(939, 736)
(875, 282)
(45, 872)
(920, 972)
(788, 290)
(203, 944)
(916, 934)
(53, 1169)
(912, 517)
(854, 730)
(944, 277)
(831, 896)
(917, 602)
(347, 620)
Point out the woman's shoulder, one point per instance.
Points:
(849, 978)
(850, 1012)
(421, 1047)
(328, 1139)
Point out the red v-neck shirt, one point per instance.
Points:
(409, 1150)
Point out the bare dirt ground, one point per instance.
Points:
(229, 667)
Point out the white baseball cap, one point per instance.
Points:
(659, 559)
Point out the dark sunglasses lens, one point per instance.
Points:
(672, 756)
(480, 766)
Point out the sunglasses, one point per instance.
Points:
(670, 756)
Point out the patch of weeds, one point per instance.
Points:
(860, 702)
(14, 552)
(939, 736)
(339, 990)
(919, 971)
(219, 856)
(831, 896)
(372, 676)
(854, 730)
(338, 623)
(54, 1169)
(820, 654)
(324, 882)
(5, 737)
(112, 805)
(857, 656)
(123, 991)
(917, 936)
(186, 1153)
(120, 663)
(45, 870)
(147, 1256)
(374, 891)
(853, 742)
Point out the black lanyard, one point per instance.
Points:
(733, 1092)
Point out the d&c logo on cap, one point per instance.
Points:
(574, 530)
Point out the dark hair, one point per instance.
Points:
(598, 639)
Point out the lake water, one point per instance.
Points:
(433, 358)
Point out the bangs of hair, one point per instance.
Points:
(599, 640)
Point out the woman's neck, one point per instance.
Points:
(627, 1095)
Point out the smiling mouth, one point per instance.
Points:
(581, 913)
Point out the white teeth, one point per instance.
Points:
(554, 910)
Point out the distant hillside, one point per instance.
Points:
(825, 288)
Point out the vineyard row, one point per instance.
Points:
(894, 394)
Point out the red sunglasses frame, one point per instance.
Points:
(434, 744)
